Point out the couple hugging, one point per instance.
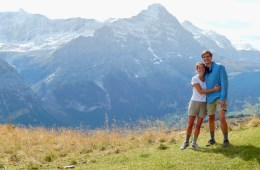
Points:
(210, 88)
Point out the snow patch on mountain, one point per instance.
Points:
(204, 36)
(245, 46)
(21, 31)
(156, 59)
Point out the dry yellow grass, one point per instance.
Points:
(37, 148)
(42, 147)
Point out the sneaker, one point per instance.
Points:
(226, 143)
(184, 145)
(211, 142)
(195, 146)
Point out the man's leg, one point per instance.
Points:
(212, 119)
(224, 126)
(211, 130)
(223, 121)
(211, 109)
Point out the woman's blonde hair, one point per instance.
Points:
(198, 64)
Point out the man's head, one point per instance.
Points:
(206, 57)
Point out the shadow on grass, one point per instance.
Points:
(245, 152)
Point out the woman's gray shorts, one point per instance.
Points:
(197, 109)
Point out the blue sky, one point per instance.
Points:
(236, 19)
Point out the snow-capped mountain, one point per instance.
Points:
(21, 31)
(127, 69)
(226, 51)
(208, 37)
(246, 46)
(128, 62)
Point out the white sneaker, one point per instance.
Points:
(184, 145)
(195, 146)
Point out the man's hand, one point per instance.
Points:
(223, 104)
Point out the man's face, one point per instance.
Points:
(207, 59)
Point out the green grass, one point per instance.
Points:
(152, 149)
(243, 154)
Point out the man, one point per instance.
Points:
(216, 101)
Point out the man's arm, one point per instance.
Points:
(224, 84)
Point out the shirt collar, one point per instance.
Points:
(209, 69)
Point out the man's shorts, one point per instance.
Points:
(197, 109)
(215, 106)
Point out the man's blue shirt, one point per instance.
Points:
(216, 75)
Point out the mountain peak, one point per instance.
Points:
(21, 10)
(156, 7)
(245, 46)
(155, 10)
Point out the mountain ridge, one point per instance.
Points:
(127, 69)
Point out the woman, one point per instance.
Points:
(197, 105)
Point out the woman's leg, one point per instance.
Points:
(197, 127)
(189, 127)
(188, 131)
(197, 131)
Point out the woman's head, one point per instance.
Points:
(200, 68)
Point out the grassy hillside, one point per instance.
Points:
(152, 148)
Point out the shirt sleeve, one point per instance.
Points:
(224, 84)
(194, 80)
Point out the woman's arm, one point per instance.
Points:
(201, 91)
